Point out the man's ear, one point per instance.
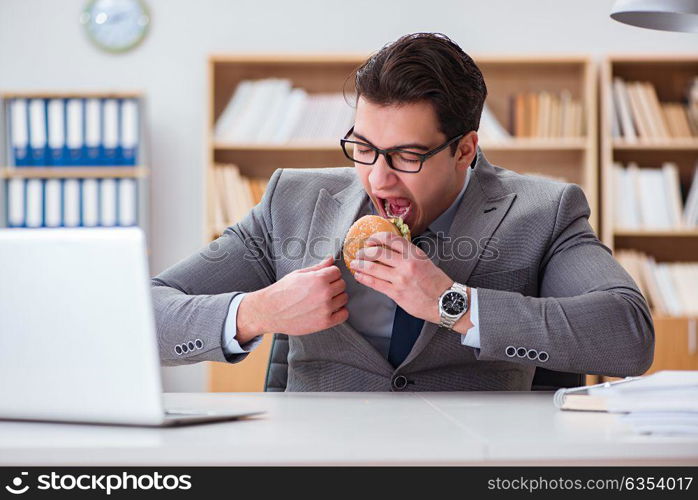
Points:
(467, 149)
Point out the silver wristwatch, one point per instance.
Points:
(453, 304)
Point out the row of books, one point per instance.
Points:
(546, 115)
(73, 132)
(234, 195)
(637, 113)
(670, 288)
(650, 198)
(71, 202)
(272, 111)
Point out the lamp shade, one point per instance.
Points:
(666, 15)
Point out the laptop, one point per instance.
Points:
(77, 332)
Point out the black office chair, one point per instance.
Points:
(277, 371)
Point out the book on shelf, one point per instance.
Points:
(546, 114)
(234, 195)
(671, 288)
(67, 132)
(651, 198)
(491, 130)
(638, 114)
(71, 202)
(272, 111)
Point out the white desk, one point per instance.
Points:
(354, 428)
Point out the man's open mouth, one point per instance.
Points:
(396, 207)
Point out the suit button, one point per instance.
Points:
(521, 352)
(399, 382)
(185, 349)
(532, 354)
(178, 350)
(511, 351)
(198, 343)
(543, 356)
(190, 345)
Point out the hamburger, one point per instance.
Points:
(367, 226)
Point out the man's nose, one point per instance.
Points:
(381, 174)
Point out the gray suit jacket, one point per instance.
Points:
(545, 284)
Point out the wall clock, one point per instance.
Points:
(116, 25)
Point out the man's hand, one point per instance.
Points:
(402, 271)
(304, 301)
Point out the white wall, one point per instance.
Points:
(42, 46)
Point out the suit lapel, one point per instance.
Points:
(332, 217)
(485, 203)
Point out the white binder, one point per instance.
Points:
(90, 202)
(16, 202)
(107, 202)
(74, 131)
(110, 137)
(19, 133)
(93, 132)
(56, 131)
(37, 132)
(35, 202)
(71, 202)
(53, 216)
(128, 200)
(129, 131)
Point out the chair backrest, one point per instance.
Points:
(277, 371)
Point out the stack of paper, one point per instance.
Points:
(662, 403)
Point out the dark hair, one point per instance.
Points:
(426, 67)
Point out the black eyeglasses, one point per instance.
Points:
(397, 159)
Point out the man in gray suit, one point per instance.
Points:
(506, 274)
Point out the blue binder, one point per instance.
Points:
(93, 155)
(18, 128)
(75, 131)
(56, 126)
(38, 132)
(130, 131)
(110, 132)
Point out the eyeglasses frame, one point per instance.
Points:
(386, 152)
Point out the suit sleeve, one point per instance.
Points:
(590, 316)
(192, 298)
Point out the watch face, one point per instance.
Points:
(453, 303)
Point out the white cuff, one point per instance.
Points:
(472, 336)
(230, 330)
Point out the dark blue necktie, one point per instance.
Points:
(406, 327)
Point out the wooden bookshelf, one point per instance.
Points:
(670, 74)
(572, 159)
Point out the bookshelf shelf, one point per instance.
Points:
(50, 94)
(296, 146)
(517, 144)
(75, 172)
(524, 144)
(661, 145)
(659, 233)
